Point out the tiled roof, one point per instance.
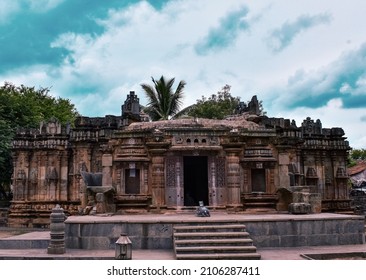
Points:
(358, 168)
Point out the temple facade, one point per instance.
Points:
(128, 164)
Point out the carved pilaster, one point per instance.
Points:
(107, 163)
(283, 163)
(233, 177)
(64, 176)
(157, 179)
(174, 194)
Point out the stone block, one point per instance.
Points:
(137, 242)
(72, 242)
(282, 228)
(324, 239)
(267, 241)
(284, 199)
(158, 243)
(293, 240)
(95, 243)
(283, 159)
(315, 200)
(258, 228)
(136, 229)
(318, 226)
(117, 229)
(162, 230)
(71, 230)
(95, 230)
(299, 208)
(300, 197)
(352, 238)
(306, 228)
(107, 160)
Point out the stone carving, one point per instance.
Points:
(100, 198)
(310, 127)
(299, 200)
(202, 210)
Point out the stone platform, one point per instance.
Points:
(155, 231)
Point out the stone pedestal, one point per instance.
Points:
(299, 208)
(102, 198)
(57, 227)
(299, 200)
(300, 203)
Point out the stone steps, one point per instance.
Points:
(213, 241)
(223, 256)
(259, 201)
(217, 249)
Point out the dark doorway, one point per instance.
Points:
(258, 180)
(132, 181)
(195, 180)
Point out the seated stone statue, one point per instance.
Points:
(202, 210)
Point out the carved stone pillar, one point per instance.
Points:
(174, 191)
(212, 183)
(20, 185)
(82, 163)
(320, 170)
(57, 231)
(107, 162)
(283, 162)
(233, 178)
(158, 180)
(64, 176)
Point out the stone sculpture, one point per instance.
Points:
(202, 210)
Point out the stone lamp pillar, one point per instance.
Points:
(123, 249)
(57, 227)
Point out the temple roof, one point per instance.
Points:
(233, 122)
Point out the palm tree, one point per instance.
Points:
(163, 103)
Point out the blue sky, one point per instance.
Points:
(301, 58)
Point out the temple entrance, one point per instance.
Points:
(132, 181)
(195, 180)
(259, 180)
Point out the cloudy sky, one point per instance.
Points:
(301, 58)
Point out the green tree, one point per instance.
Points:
(163, 102)
(355, 155)
(217, 106)
(22, 106)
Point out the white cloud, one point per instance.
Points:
(139, 42)
(7, 9)
(282, 37)
(10, 7)
(41, 6)
(333, 115)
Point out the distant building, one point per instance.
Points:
(234, 165)
(357, 174)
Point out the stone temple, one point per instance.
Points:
(246, 163)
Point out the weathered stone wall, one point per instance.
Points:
(309, 232)
(155, 233)
(249, 158)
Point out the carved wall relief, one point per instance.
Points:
(174, 181)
